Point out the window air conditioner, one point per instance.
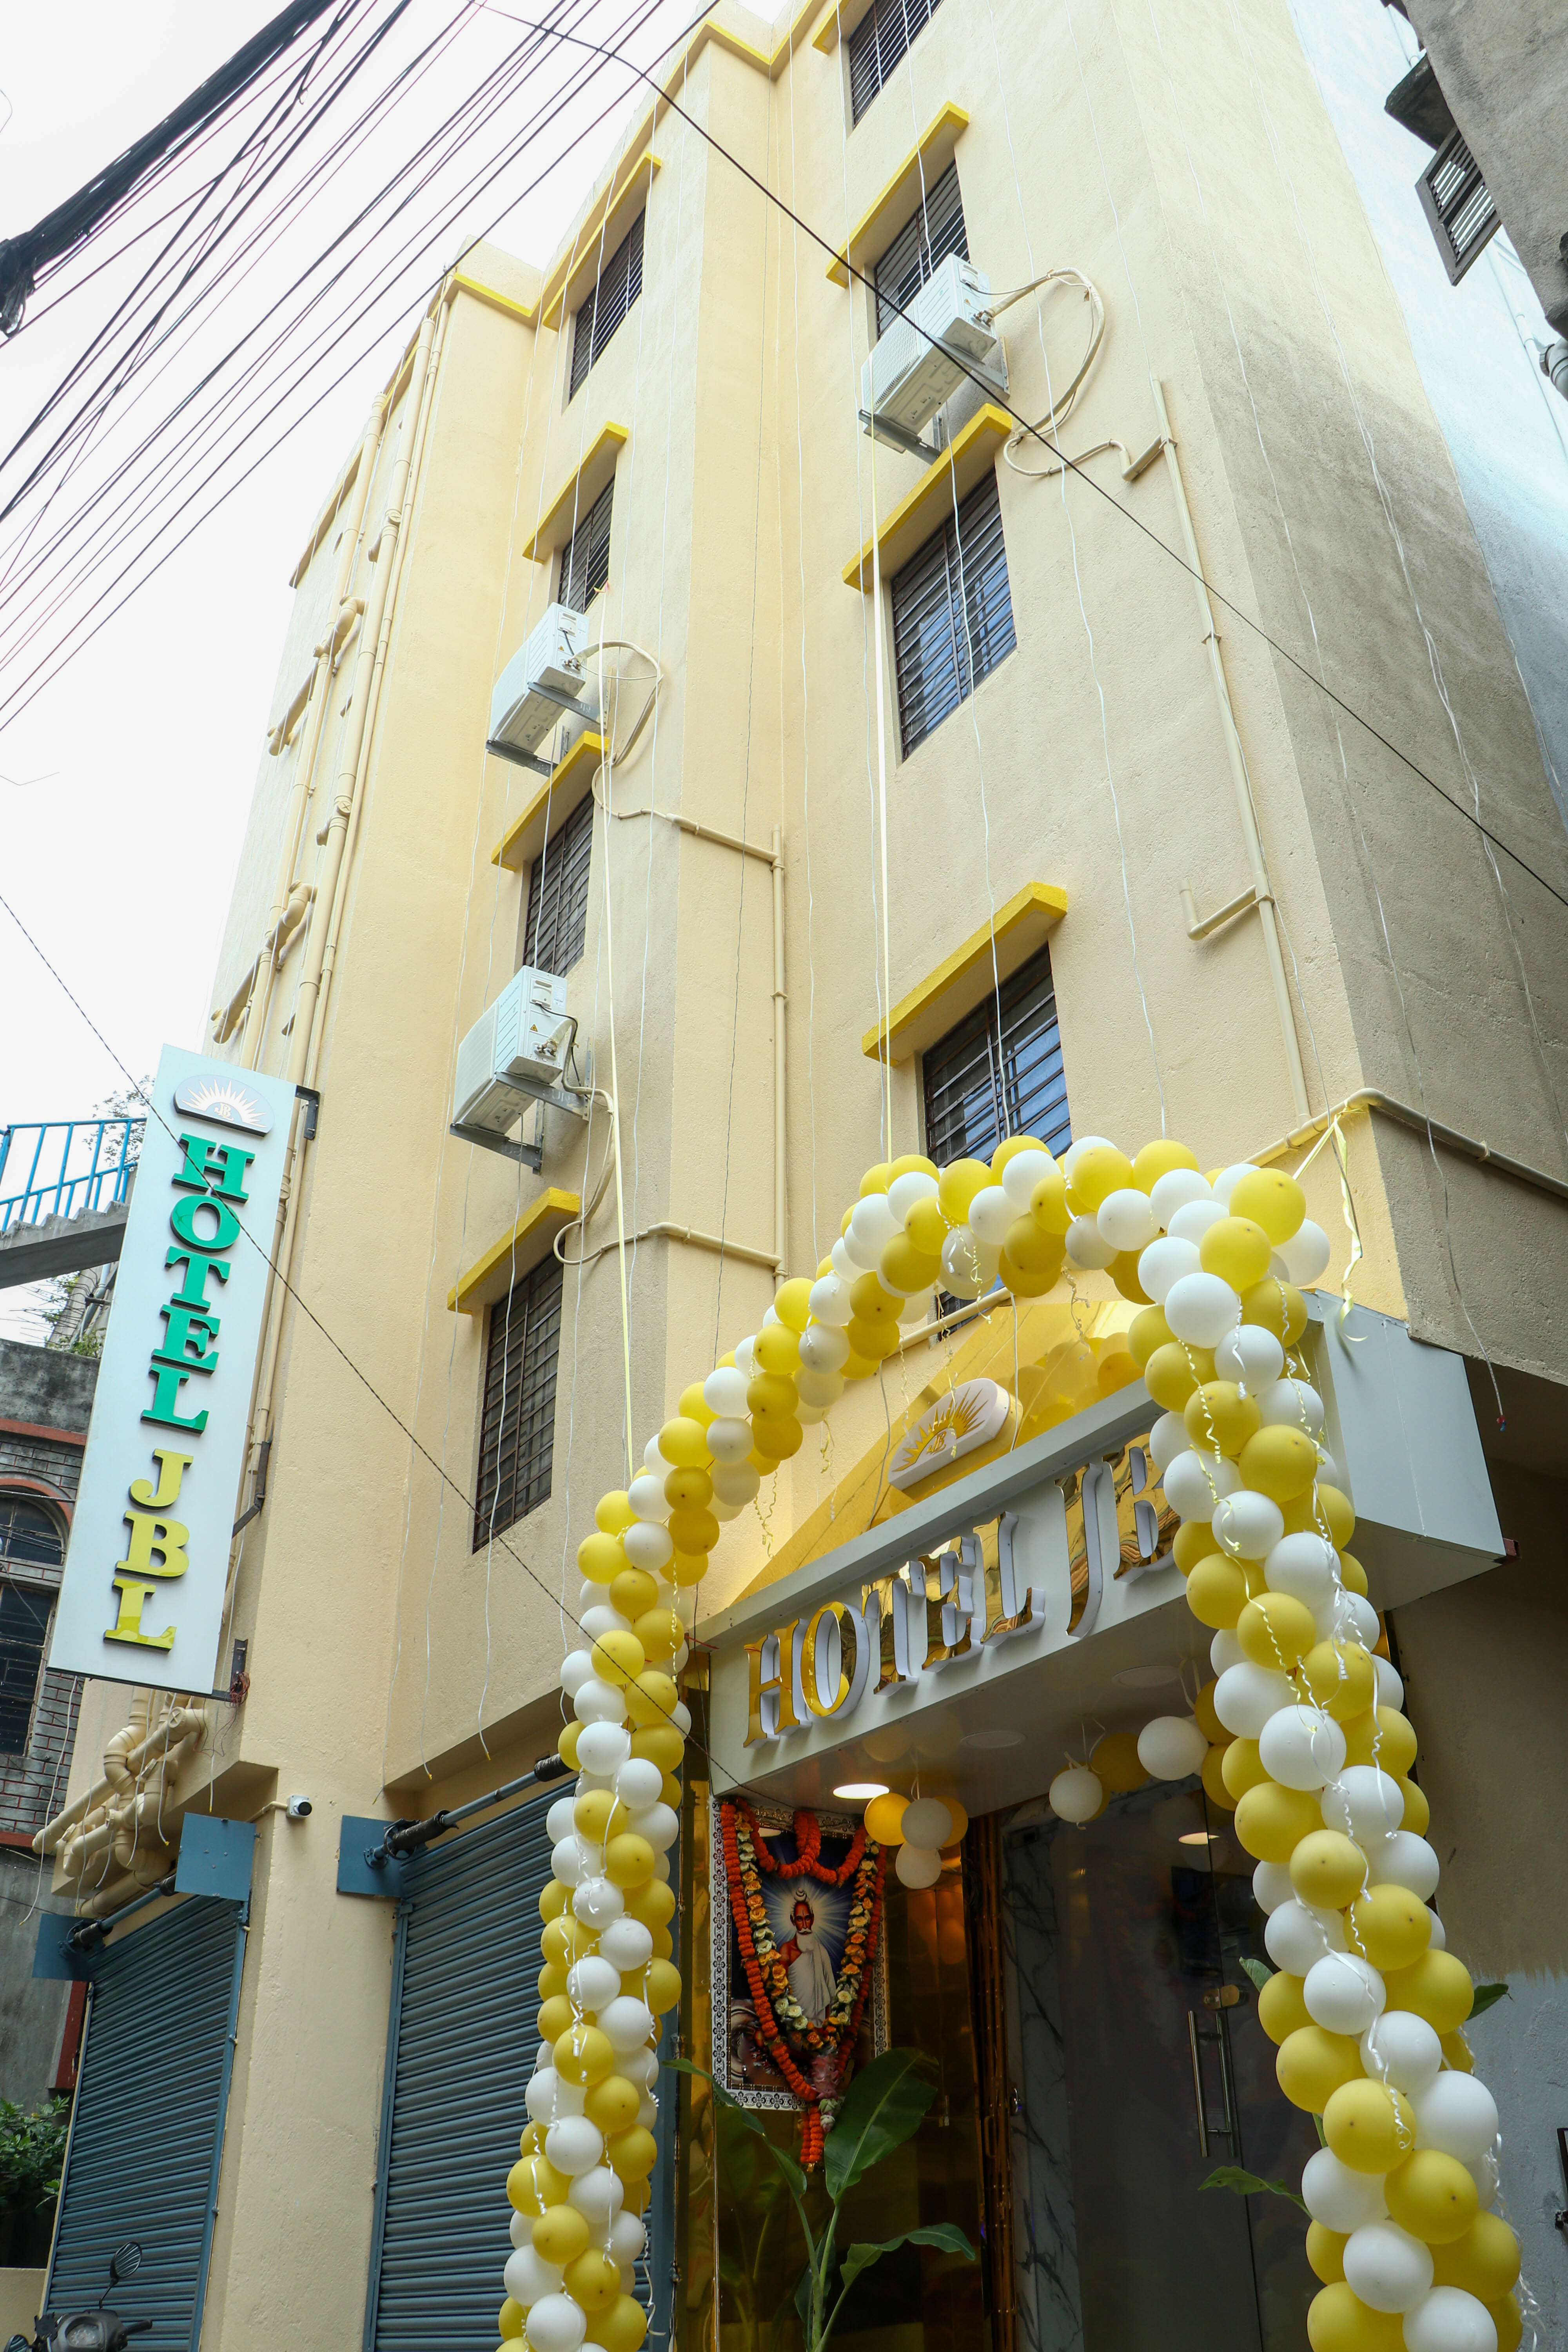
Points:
(911, 373)
(516, 1053)
(544, 679)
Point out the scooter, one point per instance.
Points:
(91, 2331)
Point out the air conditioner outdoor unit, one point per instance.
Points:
(516, 1052)
(543, 678)
(911, 373)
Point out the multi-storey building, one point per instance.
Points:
(925, 794)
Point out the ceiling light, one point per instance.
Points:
(1145, 1677)
(997, 1737)
(1197, 1837)
(858, 1790)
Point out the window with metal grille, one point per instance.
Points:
(998, 1072)
(935, 230)
(953, 614)
(619, 284)
(24, 1631)
(28, 1534)
(517, 1430)
(585, 558)
(885, 32)
(1458, 205)
(556, 923)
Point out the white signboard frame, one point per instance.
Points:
(141, 1596)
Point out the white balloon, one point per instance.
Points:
(1171, 1747)
(659, 1824)
(728, 1442)
(917, 1866)
(1175, 1190)
(1390, 1689)
(1164, 1264)
(1339, 2199)
(531, 2281)
(926, 1822)
(597, 1902)
(962, 1269)
(1301, 1748)
(824, 1346)
(871, 1228)
(639, 1782)
(1087, 1247)
(1401, 2048)
(592, 1983)
(843, 1266)
(830, 1302)
(573, 2145)
(539, 2096)
(1440, 1939)
(1194, 1483)
(627, 2023)
(1246, 1697)
(648, 1545)
(601, 1748)
(1292, 1404)
(1271, 1885)
(990, 1214)
(598, 2196)
(1225, 1181)
(1343, 1993)
(1126, 1220)
(906, 1189)
(1355, 1618)
(577, 1666)
(1296, 1937)
(724, 1392)
(1306, 1253)
(1457, 2113)
(626, 2232)
(681, 1716)
(1078, 1146)
(1364, 1802)
(1200, 1308)
(559, 1820)
(639, 2066)
(1021, 1175)
(597, 1702)
(735, 1483)
(1386, 2267)
(745, 1357)
(1488, 2177)
(626, 1944)
(647, 1498)
(601, 1620)
(566, 1861)
(1305, 1566)
(1191, 1224)
(1167, 1439)
(1077, 1794)
(1446, 2320)
(1247, 1525)
(1250, 1356)
(1225, 1651)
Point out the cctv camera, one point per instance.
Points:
(299, 1809)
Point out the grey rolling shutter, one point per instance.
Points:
(461, 2051)
(1458, 205)
(147, 2136)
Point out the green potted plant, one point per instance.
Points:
(32, 2154)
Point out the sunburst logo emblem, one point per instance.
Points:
(970, 1417)
(225, 1101)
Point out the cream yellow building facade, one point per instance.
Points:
(784, 898)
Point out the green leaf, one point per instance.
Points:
(1322, 2135)
(1486, 1995)
(884, 2106)
(727, 2099)
(1248, 2184)
(945, 2234)
(1255, 1968)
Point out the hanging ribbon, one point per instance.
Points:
(1334, 1134)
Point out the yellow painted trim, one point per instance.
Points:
(523, 839)
(885, 216)
(578, 493)
(840, 21)
(973, 452)
(596, 237)
(459, 283)
(491, 1276)
(962, 980)
(330, 513)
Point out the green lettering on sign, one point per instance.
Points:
(183, 1218)
(192, 1291)
(167, 1385)
(214, 1167)
(185, 1340)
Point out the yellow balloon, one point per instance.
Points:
(594, 2281)
(1381, 1735)
(652, 1900)
(613, 1513)
(912, 1163)
(694, 1405)
(1172, 1373)
(661, 1633)
(560, 2234)
(663, 1743)
(1098, 1170)
(1508, 2322)
(1328, 1870)
(554, 2016)
(1212, 1773)
(772, 1392)
(1277, 1307)
(685, 1443)
(1369, 2126)
(1216, 1592)
(1218, 1417)
(633, 1591)
(1032, 1248)
(1272, 1821)
(876, 1179)
(553, 1899)
(662, 1990)
(1207, 1721)
(1457, 2052)
(1193, 1541)
(1338, 2321)
(1341, 1677)
(688, 1568)
(1123, 1273)
(618, 1656)
(1241, 1768)
(510, 2319)
(1276, 1629)
(1353, 1576)
(1325, 2252)
(1337, 1511)
(870, 1342)
(1272, 1199)
(777, 1349)
(622, 2327)
(692, 1531)
(556, 1941)
(583, 2056)
(1034, 1282)
(1388, 1927)
(1438, 1987)
(600, 1557)
(957, 1184)
(884, 1816)
(552, 1979)
(533, 2185)
(1006, 1149)
(1157, 1159)
(1048, 1201)
(591, 1813)
(632, 2153)
(775, 1441)
(1484, 2262)
(1433, 2196)
(628, 1860)
(1149, 1330)
(926, 1229)
(1236, 1250)
(1116, 1763)
(566, 1745)
(1417, 1811)
(1280, 2007)
(792, 1302)
(1312, 2066)
(1279, 1463)
(906, 1268)
(651, 1699)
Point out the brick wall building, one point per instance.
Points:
(46, 1400)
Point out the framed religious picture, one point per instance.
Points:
(800, 1992)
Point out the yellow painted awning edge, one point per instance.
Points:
(567, 782)
(951, 117)
(554, 1209)
(988, 423)
(1043, 897)
(548, 535)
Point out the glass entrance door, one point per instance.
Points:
(1139, 2069)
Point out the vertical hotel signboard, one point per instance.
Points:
(141, 1598)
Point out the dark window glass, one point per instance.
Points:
(993, 1076)
(27, 1533)
(878, 42)
(619, 284)
(585, 558)
(23, 1629)
(936, 230)
(517, 1433)
(953, 614)
(557, 921)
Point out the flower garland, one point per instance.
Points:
(779, 2013)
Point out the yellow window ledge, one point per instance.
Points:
(601, 231)
(971, 454)
(577, 494)
(516, 1254)
(554, 801)
(966, 978)
(876, 228)
(459, 284)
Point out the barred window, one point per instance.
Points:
(28, 1536)
(998, 1072)
(936, 230)
(585, 558)
(953, 615)
(618, 285)
(878, 42)
(23, 1632)
(517, 1430)
(556, 923)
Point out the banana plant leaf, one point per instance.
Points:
(883, 2107)
(945, 2234)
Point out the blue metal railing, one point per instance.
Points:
(71, 1164)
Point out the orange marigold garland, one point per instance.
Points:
(780, 2018)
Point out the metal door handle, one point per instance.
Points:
(1198, 2084)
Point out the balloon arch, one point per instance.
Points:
(1301, 1732)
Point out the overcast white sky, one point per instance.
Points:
(126, 782)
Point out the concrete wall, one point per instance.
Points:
(32, 2009)
(42, 1390)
